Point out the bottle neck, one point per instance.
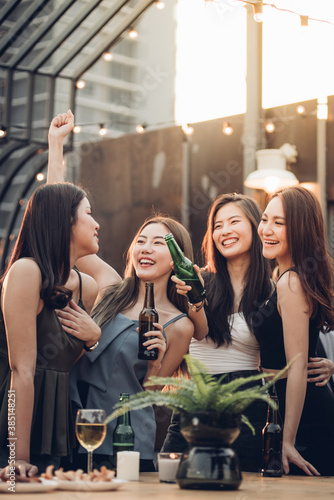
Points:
(149, 296)
(175, 250)
(125, 418)
(272, 412)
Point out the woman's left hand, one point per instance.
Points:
(290, 454)
(77, 322)
(156, 340)
(322, 369)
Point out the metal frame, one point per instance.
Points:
(35, 68)
(38, 67)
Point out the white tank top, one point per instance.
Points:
(243, 353)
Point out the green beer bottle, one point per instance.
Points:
(184, 270)
(123, 436)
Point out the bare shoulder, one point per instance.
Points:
(183, 327)
(22, 287)
(26, 270)
(291, 296)
(289, 284)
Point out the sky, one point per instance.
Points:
(211, 56)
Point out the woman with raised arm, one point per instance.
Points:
(292, 231)
(36, 353)
(114, 367)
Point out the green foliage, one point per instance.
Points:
(200, 393)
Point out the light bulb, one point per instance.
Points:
(187, 130)
(227, 129)
(300, 109)
(81, 84)
(40, 177)
(304, 21)
(159, 4)
(103, 131)
(140, 128)
(258, 12)
(77, 129)
(133, 34)
(270, 127)
(107, 56)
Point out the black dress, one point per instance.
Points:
(315, 436)
(52, 431)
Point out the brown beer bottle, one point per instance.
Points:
(272, 443)
(147, 317)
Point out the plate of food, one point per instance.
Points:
(90, 485)
(28, 485)
(97, 480)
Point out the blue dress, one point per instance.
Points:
(112, 368)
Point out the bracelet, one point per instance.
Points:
(195, 307)
(91, 347)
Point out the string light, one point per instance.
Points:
(227, 129)
(133, 34)
(107, 56)
(159, 4)
(140, 128)
(305, 18)
(77, 129)
(300, 109)
(103, 131)
(81, 84)
(270, 127)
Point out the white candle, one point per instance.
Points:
(128, 465)
(168, 464)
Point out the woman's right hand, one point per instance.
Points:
(77, 322)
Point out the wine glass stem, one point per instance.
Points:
(89, 462)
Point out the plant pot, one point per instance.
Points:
(210, 463)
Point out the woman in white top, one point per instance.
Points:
(237, 282)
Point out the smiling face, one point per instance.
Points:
(232, 232)
(84, 234)
(273, 234)
(150, 255)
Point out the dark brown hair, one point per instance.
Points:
(220, 293)
(45, 236)
(125, 294)
(307, 242)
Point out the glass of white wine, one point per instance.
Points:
(91, 430)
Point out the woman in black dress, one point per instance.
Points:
(292, 231)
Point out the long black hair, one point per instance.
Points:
(220, 295)
(45, 236)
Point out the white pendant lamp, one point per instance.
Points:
(271, 173)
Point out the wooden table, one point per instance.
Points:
(253, 487)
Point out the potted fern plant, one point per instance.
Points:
(211, 413)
